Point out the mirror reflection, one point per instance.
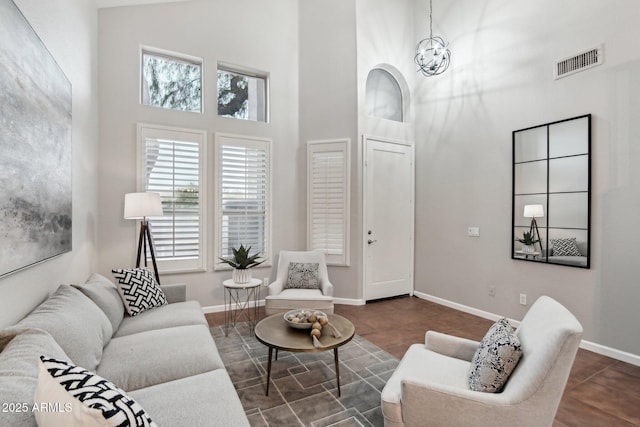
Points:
(551, 193)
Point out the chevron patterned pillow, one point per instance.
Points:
(69, 395)
(565, 247)
(139, 290)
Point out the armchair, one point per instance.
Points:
(429, 387)
(280, 299)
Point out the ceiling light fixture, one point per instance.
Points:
(432, 55)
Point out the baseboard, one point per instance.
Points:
(220, 308)
(623, 356)
(349, 301)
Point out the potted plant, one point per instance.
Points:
(528, 240)
(242, 261)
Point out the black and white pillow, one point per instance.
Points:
(565, 247)
(303, 275)
(83, 398)
(139, 290)
(496, 357)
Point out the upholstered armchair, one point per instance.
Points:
(430, 385)
(281, 298)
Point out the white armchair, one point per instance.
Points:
(281, 299)
(429, 387)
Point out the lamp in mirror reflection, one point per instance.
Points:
(533, 212)
(432, 55)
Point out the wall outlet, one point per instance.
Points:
(265, 282)
(492, 291)
(473, 231)
(523, 299)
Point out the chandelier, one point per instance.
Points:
(432, 55)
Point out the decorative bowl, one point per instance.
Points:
(302, 324)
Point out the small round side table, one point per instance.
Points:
(238, 300)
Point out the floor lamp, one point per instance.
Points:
(533, 211)
(142, 206)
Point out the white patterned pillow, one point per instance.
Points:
(303, 275)
(73, 396)
(565, 247)
(139, 290)
(496, 357)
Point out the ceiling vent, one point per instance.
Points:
(579, 62)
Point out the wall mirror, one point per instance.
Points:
(551, 207)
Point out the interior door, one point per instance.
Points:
(389, 216)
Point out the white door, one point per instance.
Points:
(388, 204)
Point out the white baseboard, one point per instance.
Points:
(349, 301)
(220, 308)
(623, 356)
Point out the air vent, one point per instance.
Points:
(579, 62)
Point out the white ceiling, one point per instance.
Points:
(117, 3)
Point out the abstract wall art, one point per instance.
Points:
(35, 147)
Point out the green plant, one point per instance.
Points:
(242, 259)
(528, 238)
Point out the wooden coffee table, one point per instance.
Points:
(273, 332)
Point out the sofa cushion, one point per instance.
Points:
(302, 275)
(83, 398)
(75, 323)
(167, 316)
(139, 290)
(166, 354)
(210, 397)
(495, 359)
(105, 294)
(19, 351)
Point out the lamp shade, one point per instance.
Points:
(533, 211)
(142, 205)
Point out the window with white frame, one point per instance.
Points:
(243, 193)
(172, 162)
(171, 80)
(242, 94)
(328, 182)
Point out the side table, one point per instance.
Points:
(242, 295)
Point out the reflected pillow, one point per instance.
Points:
(565, 247)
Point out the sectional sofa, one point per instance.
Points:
(164, 358)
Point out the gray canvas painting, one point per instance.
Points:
(35, 147)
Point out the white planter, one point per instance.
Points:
(528, 249)
(241, 275)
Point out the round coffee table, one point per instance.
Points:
(273, 332)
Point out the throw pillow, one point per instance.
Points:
(565, 247)
(496, 357)
(72, 396)
(303, 275)
(139, 290)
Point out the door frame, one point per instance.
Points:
(365, 140)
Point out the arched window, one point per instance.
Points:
(384, 96)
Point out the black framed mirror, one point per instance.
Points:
(551, 204)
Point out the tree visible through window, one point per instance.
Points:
(241, 96)
(171, 82)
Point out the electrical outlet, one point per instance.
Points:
(492, 291)
(265, 282)
(523, 299)
(473, 231)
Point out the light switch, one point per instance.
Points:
(473, 231)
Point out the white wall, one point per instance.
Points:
(250, 33)
(328, 105)
(500, 80)
(68, 29)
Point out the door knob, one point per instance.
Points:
(371, 241)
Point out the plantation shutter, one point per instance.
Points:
(328, 199)
(172, 167)
(243, 194)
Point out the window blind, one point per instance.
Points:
(328, 199)
(171, 163)
(243, 195)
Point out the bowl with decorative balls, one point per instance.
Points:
(304, 318)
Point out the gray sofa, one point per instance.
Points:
(164, 358)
